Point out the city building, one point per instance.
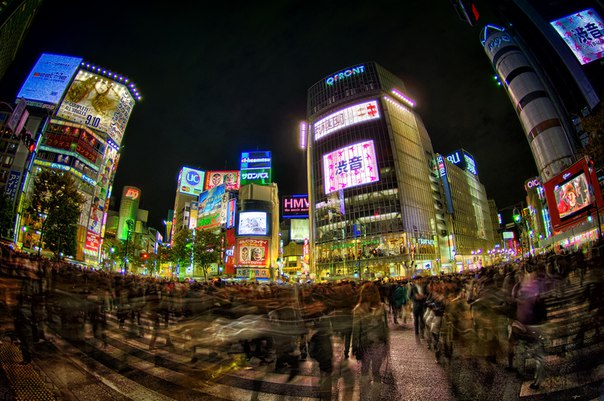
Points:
(77, 116)
(371, 178)
(548, 56)
(15, 19)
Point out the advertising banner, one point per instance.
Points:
(256, 168)
(93, 241)
(346, 117)
(230, 214)
(300, 229)
(295, 206)
(211, 200)
(99, 103)
(230, 179)
(49, 78)
(252, 252)
(12, 185)
(190, 181)
(583, 32)
(209, 221)
(349, 167)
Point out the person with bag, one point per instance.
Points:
(370, 338)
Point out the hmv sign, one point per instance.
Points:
(295, 207)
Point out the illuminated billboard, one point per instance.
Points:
(229, 178)
(190, 181)
(253, 223)
(255, 168)
(49, 78)
(299, 230)
(346, 117)
(211, 200)
(572, 194)
(252, 252)
(99, 103)
(349, 167)
(295, 206)
(583, 32)
(442, 172)
(463, 160)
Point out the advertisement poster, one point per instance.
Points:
(230, 179)
(345, 118)
(92, 241)
(583, 33)
(252, 252)
(99, 103)
(211, 200)
(349, 167)
(49, 78)
(12, 185)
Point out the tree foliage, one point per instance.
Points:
(206, 250)
(594, 126)
(181, 249)
(6, 215)
(56, 204)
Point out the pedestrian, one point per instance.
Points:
(321, 350)
(399, 299)
(370, 338)
(418, 295)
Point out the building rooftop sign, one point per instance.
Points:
(339, 76)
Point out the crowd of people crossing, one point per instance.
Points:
(488, 313)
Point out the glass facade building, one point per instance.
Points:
(370, 167)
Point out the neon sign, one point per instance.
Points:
(132, 193)
(345, 74)
(346, 117)
(349, 167)
(583, 32)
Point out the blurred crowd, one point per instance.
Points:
(493, 313)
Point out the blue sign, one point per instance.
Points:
(193, 178)
(12, 185)
(49, 78)
(255, 160)
(442, 169)
(463, 160)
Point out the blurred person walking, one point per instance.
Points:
(370, 339)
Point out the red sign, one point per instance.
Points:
(132, 193)
(92, 241)
(252, 252)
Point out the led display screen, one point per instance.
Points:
(49, 78)
(99, 103)
(583, 32)
(349, 167)
(572, 196)
(190, 181)
(253, 223)
(252, 252)
(229, 178)
(346, 117)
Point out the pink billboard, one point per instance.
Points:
(349, 167)
(229, 178)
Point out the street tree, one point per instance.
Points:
(206, 250)
(56, 205)
(6, 215)
(181, 251)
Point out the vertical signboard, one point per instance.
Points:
(256, 168)
(442, 172)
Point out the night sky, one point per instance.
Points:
(218, 81)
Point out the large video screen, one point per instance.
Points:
(349, 167)
(99, 103)
(583, 33)
(253, 223)
(49, 78)
(572, 195)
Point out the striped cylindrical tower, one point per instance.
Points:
(538, 115)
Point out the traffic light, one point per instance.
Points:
(516, 215)
(29, 141)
